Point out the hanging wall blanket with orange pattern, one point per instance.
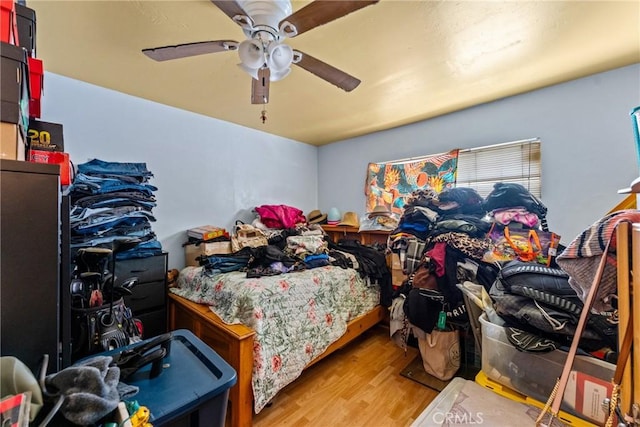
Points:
(390, 184)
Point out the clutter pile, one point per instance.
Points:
(500, 243)
(110, 219)
(85, 393)
(281, 239)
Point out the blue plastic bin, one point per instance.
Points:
(193, 388)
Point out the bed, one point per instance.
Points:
(271, 328)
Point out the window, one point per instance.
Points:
(517, 161)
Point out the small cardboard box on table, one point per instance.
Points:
(193, 251)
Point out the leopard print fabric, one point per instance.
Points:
(470, 246)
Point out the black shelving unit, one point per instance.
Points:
(31, 294)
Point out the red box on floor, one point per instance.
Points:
(36, 81)
(55, 158)
(8, 22)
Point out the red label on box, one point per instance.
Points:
(55, 158)
(585, 394)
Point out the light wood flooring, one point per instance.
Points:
(359, 385)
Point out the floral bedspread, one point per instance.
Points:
(296, 316)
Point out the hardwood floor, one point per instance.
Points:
(359, 385)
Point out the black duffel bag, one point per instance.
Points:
(539, 300)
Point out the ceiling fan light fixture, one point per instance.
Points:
(267, 13)
(251, 53)
(279, 56)
(253, 72)
(279, 75)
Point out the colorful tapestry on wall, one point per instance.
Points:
(390, 184)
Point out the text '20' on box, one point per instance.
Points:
(45, 136)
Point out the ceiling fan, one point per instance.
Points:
(263, 54)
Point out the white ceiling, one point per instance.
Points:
(416, 59)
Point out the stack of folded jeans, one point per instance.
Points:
(113, 201)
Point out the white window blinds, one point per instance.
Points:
(517, 161)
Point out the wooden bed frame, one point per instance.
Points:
(234, 343)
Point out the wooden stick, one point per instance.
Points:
(624, 304)
(635, 312)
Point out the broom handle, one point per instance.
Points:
(564, 378)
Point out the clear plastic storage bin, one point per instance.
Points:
(535, 374)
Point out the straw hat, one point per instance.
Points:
(350, 219)
(316, 217)
(379, 211)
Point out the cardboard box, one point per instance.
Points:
(206, 232)
(45, 136)
(396, 264)
(12, 146)
(397, 276)
(191, 252)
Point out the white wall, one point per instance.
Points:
(588, 148)
(213, 172)
(207, 171)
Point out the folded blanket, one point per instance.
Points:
(580, 259)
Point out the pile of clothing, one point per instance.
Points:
(369, 260)
(457, 237)
(441, 240)
(284, 251)
(293, 245)
(113, 201)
